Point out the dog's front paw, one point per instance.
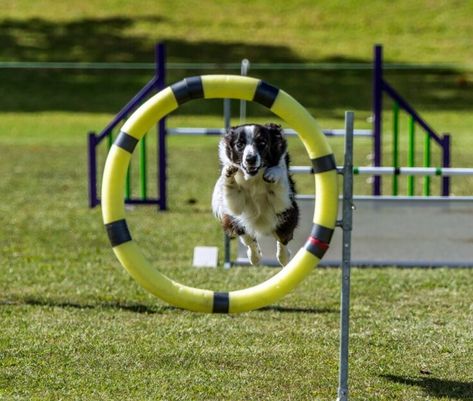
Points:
(273, 174)
(229, 171)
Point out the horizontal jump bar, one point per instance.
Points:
(422, 171)
(289, 132)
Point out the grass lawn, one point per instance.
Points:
(75, 326)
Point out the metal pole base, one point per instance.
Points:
(342, 394)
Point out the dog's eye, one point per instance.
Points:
(240, 145)
(262, 143)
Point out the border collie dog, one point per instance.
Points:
(255, 195)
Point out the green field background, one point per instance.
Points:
(75, 326)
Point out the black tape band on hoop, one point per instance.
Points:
(221, 302)
(188, 89)
(126, 142)
(265, 94)
(323, 164)
(118, 232)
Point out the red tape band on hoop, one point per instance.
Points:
(316, 247)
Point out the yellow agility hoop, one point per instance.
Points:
(218, 87)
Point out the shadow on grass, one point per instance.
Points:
(434, 387)
(109, 40)
(117, 305)
(139, 308)
(290, 309)
(324, 93)
(89, 39)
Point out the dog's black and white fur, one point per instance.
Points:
(255, 195)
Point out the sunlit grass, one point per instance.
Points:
(76, 326)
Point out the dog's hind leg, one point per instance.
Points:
(232, 228)
(253, 249)
(285, 231)
(282, 253)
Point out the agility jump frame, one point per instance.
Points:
(380, 88)
(156, 84)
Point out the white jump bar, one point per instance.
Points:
(422, 171)
(288, 132)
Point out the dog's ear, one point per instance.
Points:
(275, 131)
(273, 126)
(228, 133)
(228, 140)
(277, 140)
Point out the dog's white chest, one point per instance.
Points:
(254, 195)
(262, 202)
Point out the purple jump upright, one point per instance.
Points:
(380, 88)
(156, 84)
(377, 114)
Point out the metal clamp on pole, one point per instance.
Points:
(346, 224)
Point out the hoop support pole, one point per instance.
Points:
(346, 225)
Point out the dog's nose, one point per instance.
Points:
(251, 159)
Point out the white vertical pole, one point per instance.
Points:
(227, 116)
(245, 66)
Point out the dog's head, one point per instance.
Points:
(252, 147)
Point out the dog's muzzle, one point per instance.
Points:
(251, 164)
(251, 170)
